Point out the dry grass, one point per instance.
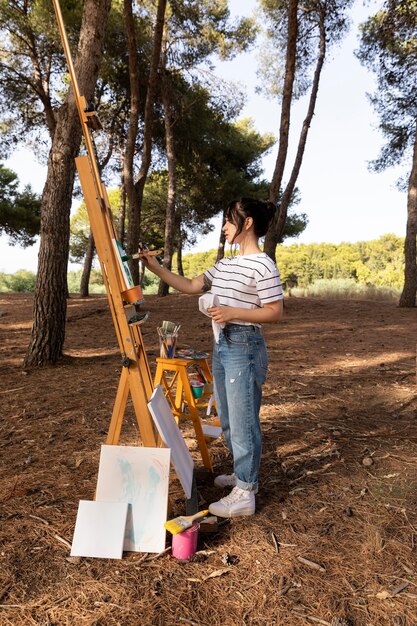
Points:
(333, 541)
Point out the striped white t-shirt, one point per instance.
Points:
(247, 281)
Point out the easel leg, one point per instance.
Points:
(191, 505)
(119, 408)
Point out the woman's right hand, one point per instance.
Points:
(149, 260)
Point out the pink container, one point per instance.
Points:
(184, 544)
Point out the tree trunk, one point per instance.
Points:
(50, 306)
(128, 159)
(163, 288)
(408, 295)
(222, 240)
(134, 223)
(289, 189)
(284, 130)
(122, 212)
(180, 268)
(88, 263)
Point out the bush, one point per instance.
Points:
(73, 280)
(150, 284)
(20, 281)
(95, 285)
(346, 288)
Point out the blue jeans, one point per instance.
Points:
(240, 362)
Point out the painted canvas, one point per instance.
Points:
(122, 258)
(140, 477)
(172, 437)
(100, 529)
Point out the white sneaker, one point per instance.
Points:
(239, 502)
(225, 480)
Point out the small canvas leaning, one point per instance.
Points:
(99, 529)
(172, 437)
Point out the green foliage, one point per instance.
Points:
(95, 285)
(20, 281)
(377, 263)
(19, 210)
(150, 284)
(345, 288)
(275, 26)
(80, 226)
(32, 66)
(196, 264)
(389, 48)
(197, 30)
(218, 160)
(366, 269)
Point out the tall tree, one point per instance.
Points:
(48, 331)
(31, 65)
(169, 117)
(193, 33)
(389, 48)
(116, 109)
(135, 189)
(128, 172)
(303, 31)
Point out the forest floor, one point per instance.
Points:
(334, 539)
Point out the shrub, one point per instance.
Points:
(346, 288)
(150, 284)
(20, 281)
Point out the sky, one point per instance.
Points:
(343, 200)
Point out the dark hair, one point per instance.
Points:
(261, 212)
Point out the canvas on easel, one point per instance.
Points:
(140, 477)
(120, 254)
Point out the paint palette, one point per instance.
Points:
(191, 354)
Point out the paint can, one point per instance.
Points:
(184, 544)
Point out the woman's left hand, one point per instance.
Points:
(221, 314)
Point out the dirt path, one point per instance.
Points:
(341, 389)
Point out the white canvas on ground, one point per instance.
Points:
(100, 529)
(140, 477)
(172, 437)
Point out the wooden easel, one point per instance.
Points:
(135, 377)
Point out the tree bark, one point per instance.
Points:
(289, 189)
(163, 288)
(222, 240)
(134, 223)
(408, 295)
(48, 331)
(88, 263)
(122, 212)
(180, 268)
(284, 130)
(128, 159)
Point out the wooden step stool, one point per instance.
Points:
(173, 377)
